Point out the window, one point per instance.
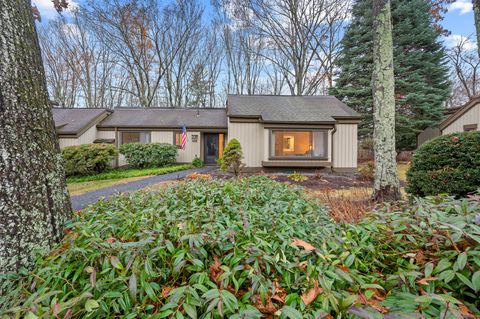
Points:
(470, 127)
(298, 144)
(135, 137)
(177, 139)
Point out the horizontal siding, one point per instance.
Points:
(470, 117)
(345, 146)
(252, 138)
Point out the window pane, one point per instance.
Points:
(320, 144)
(298, 144)
(130, 137)
(135, 137)
(292, 143)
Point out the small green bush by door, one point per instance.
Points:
(447, 164)
(232, 157)
(197, 162)
(87, 158)
(149, 154)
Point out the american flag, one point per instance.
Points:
(184, 137)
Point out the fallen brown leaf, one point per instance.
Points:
(311, 294)
(165, 291)
(425, 281)
(300, 243)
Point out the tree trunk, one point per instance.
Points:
(34, 202)
(476, 14)
(386, 185)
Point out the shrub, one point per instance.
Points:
(367, 171)
(249, 247)
(232, 157)
(88, 159)
(197, 162)
(297, 177)
(446, 164)
(149, 154)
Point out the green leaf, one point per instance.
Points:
(190, 310)
(461, 261)
(116, 262)
(465, 280)
(291, 313)
(476, 281)
(132, 287)
(91, 305)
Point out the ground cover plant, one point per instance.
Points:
(119, 173)
(251, 248)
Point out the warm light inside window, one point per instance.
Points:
(295, 144)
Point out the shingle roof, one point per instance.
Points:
(167, 118)
(75, 121)
(289, 109)
(474, 101)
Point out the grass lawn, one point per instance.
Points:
(78, 185)
(85, 187)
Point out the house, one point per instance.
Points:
(274, 131)
(462, 119)
(77, 126)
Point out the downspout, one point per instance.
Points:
(332, 148)
(116, 146)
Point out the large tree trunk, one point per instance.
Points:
(34, 202)
(386, 186)
(476, 14)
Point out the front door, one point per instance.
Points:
(211, 147)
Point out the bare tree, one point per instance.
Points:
(62, 81)
(301, 37)
(466, 71)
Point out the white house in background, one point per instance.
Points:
(274, 131)
(462, 119)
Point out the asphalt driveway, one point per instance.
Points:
(81, 201)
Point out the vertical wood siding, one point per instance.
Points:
(252, 138)
(470, 117)
(345, 146)
(86, 138)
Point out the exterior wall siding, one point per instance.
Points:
(345, 146)
(86, 138)
(470, 117)
(252, 138)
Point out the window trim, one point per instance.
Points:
(297, 158)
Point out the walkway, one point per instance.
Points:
(82, 201)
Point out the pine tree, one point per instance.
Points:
(421, 73)
(198, 86)
(34, 202)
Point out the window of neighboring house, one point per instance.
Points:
(470, 127)
(135, 137)
(298, 144)
(177, 139)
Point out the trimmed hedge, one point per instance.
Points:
(143, 155)
(446, 164)
(88, 159)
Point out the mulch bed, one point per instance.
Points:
(326, 181)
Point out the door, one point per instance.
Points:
(211, 147)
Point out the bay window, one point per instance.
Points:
(299, 144)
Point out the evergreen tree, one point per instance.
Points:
(199, 86)
(421, 73)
